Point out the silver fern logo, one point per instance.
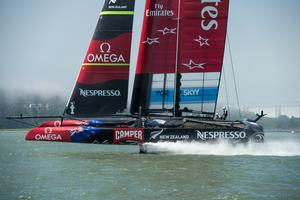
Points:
(112, 1)
(155, 134)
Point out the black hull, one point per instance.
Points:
(154, 135)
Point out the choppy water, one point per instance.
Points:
(40, 170)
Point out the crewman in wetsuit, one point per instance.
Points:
(225, 114)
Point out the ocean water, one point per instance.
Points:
(44, 170)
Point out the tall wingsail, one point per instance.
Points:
(180, 57)
(102, 83)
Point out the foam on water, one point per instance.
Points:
(271, 147)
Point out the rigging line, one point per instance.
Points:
(226, 93)
(203, 82)
(164, 91)
(234, 79)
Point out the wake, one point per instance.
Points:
(271, 147)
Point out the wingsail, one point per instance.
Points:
(180, 57)
(102, 84)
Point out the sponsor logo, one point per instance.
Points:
(209, 14)
(159, 11)
(155, 134)
(48, 137)
(160, 93)
(112, 1)
(48, 130)
(160, 136)
(112, 5)
(99, 93)
(128, 134)
(191, 92)
(174, 137)
(166, 31)
(205, 135)
(184, 92)
(56, 123)
(105, 47)
(151, 40)
(192, 65)
(105, 56)
(202, 41)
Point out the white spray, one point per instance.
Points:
(282, 146)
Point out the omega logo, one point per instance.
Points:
(48, 130)
(105, 46)
(57, 123)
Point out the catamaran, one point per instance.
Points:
(172, 94)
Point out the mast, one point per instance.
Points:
(177, 76)
(164, 91)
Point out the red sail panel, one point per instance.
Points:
(106, 60)
(157, 53)
(185, 51)
(203, 25)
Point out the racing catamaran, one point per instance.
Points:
(176, 80)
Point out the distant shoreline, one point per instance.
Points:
(283, 130)
(15, 129)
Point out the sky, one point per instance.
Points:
(43, 43)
